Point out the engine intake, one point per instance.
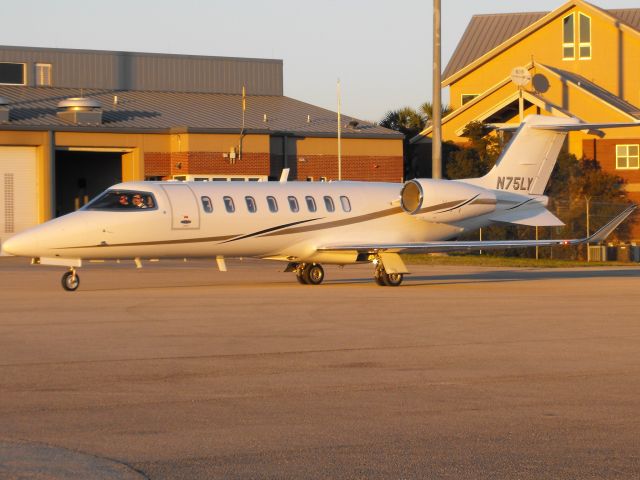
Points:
(445, 201)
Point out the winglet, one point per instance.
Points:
(601, 234)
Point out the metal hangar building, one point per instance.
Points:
(74, 122)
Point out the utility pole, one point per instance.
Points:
(339, 133)
(436, 121)
(588, 199)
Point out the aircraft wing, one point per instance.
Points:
(457, 246)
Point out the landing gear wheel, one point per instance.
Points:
(385, 279)
(313, 274)
(392, 279)
(300, 275)
(70, 281)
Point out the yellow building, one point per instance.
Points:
(584, 62)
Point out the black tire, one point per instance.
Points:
(300, 278)
(392, 279)
(70, 282)
(313, 274)
(379, 277)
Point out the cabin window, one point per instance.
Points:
(346, 204)
(568, 37)
(584, 47)
(293, 204)
(627, 157)
(206, 204)
(251, 204)
(123, 200)
(273, 204)
(311, 203)
(13, 73)
(467, 97)
(229, 205)
(328, 203)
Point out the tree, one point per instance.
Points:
(426, 109)
(405, 120)
(477, 157)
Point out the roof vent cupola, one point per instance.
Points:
(80, 111)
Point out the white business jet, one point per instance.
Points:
(310, 224)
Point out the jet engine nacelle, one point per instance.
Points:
(445, 201)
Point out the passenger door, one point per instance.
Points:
(185, 213)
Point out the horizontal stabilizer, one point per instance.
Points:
(530, 218)
(573, 127)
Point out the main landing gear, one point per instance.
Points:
(309, 273)
(385, 279)
(70, 280)
(313, 274)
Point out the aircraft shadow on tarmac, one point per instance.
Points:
(518, 275)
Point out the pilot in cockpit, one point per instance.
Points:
(137, 201)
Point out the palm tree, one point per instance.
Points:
(405, 120)
(426, 109)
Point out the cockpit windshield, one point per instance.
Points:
(123, 200)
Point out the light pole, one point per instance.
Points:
(587, 200)
(436, 131)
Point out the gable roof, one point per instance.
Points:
(36, 107)
(486, 33)
(604, 95)
(607, 98)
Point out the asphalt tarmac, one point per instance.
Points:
(180, 371)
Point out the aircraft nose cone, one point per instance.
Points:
(20, 245)
(8, 246)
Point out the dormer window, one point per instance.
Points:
(13, 73)
(568, 37)
(43, 74)
(584, 47)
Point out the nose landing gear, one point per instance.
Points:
(70, 280)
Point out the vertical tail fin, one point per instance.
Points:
(528, 159)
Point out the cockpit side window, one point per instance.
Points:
(123, 200)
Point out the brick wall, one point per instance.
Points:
(182, 163)
(368, 168)
(604, 151)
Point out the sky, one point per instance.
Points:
(380, 50)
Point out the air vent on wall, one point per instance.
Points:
(4, 110)
(80, 111)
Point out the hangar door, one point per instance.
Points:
(18, 194)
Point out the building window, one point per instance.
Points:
(467, 97)
(584, 47)
(273, 204)
(229, 205)
(627, 157)
(13, 73)
(568, 37)
(43, 74)
(206, 204)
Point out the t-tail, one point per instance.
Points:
(528, 159)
